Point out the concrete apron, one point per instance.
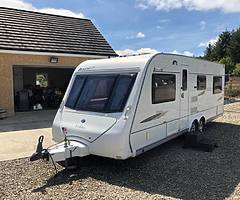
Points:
(21, 144)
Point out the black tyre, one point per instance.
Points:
(201, 125)
(194, 128)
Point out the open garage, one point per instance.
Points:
(38, 54)
(43, 86)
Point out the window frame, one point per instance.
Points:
(153, 89)
(113, 92)
(205, 85)
(106, 108)
(214, 92)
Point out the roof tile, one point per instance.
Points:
(33, 31)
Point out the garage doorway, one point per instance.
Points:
(39, 88)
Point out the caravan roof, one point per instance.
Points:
(138, 62)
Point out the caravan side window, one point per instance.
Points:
(217, 84)
(201, 82)
(163, 88)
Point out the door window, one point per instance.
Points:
(184, 79)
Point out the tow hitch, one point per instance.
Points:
(62, 151)
(40, 152)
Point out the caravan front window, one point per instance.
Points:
(100, 93)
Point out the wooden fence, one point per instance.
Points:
(232, 87)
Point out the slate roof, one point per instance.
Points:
(33, 31)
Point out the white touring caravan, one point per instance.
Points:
(124, 106)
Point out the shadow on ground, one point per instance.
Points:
(228, 100)
(169, 169)
(28, 121)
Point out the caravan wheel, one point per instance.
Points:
(201, 125)
(194, 127)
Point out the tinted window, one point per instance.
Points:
(184, 80)
(217, 84)
(100, 93)
(96, 93)
(163, 88)
(75, 91)
(123, 87)
(201, 82)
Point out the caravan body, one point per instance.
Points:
(121, 107)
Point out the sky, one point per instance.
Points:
(142, 26)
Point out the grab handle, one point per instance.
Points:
(128, 109)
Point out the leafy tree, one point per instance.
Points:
(226, 50)
(234, 46)
(236, 71)
(229, 64)
(221, 48)
(209, 53)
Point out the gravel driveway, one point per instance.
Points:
(166, 172)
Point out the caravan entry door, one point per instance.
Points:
(184, 90)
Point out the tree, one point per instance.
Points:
(210, 53)
(226, 50)
(236, 71)
(234, 47)
(221, 47)
(229, 64)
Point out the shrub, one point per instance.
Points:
(236, 71)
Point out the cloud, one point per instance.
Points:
(164, 20)
(140, 35)
(129, 52)
(142, 6)
(202, 25)
(61, 11)
(199, 5)
(21, 4)
(163, 23)
(211, 41)
(16, 4)
(185, 53)
(160, 27)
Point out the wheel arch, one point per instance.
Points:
(196, 119)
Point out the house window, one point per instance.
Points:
(217, 84)
(42, 79)
(201, 82)
(184, 80)
(163, 88)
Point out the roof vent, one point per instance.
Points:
(175, 62)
